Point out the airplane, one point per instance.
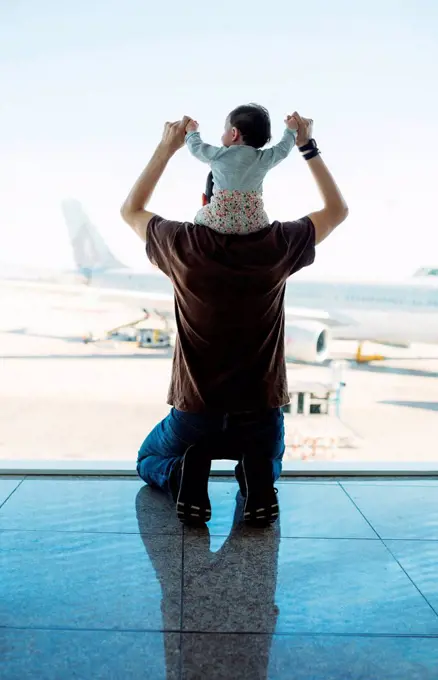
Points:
(395, 313)
(426, 271)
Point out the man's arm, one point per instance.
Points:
(275, 154)
(199, 149)
(133, 209)
(335, 209)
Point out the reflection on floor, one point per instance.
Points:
(99, 580)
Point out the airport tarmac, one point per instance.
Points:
(63, 399)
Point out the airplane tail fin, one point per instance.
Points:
(89, 249)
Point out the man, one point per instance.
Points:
(229, 374)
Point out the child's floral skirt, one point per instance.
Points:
(234, 212)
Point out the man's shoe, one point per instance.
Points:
(193, 504)
(261, 503)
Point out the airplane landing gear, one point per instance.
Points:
(365, 358)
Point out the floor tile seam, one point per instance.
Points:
(79, 629)
(87, 532)
(315, 634)
(12, 492)
(182, 632)
(410, 579)
(181, 605)
(360, 511)
(302, 538)
(181, 613)
(90, 533)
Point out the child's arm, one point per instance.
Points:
(273, 156)
(200, 150)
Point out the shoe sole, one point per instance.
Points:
(261, 503)
(193, 504)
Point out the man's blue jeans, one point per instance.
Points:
(226, 435)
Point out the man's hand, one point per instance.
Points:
(305, 128)
(174, 135)
(192, 126)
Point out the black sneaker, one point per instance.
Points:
(261, 503)
(193, 504)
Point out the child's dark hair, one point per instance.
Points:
(254, 124)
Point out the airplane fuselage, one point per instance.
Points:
(394, 312)
(397, 312)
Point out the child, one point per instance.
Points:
(239, 168)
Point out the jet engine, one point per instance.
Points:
(307, 341)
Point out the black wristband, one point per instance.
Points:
(311, 154)
(309, 146)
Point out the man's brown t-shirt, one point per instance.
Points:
(229, 308)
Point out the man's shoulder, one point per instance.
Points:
(171, 243)
(175, 225)
(159, 220)
(160, 227)
(295, 229)
(288, 224)
(297, 240)
(161, 235)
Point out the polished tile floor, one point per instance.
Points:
(99, 580)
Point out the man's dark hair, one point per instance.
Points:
(254, 124)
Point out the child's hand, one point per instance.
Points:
(291, 122)
(192, 126)
(305, 129)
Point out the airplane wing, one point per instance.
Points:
(78, 294)
(135, 298)
(328, 318)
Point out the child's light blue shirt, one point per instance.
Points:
(240, 167)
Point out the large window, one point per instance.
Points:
(85, 92)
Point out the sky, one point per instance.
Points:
(86, 88)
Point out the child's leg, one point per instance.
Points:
(204, 216)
